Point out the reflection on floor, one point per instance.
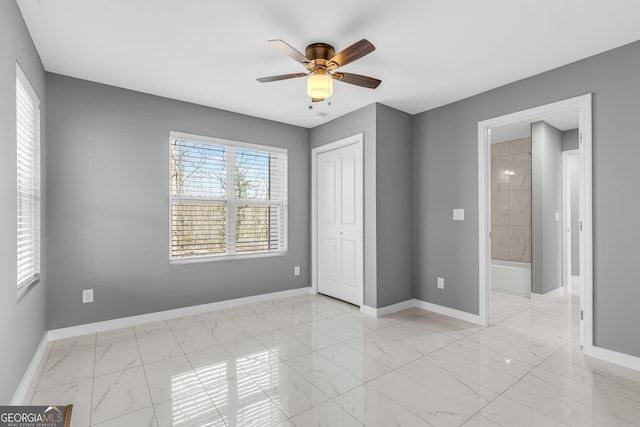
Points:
(312, 360)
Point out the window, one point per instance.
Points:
(28, 169)
(227, 198)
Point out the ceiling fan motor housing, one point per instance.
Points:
(320, 51)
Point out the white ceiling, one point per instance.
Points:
(429, 52)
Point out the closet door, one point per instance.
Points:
(340, 221)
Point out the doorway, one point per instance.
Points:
(571, 221)
(337, 220)
(580, 108)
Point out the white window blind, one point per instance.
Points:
(227, 198)
(28, 168)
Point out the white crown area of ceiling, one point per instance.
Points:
(428, 53)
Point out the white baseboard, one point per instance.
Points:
(30, 373)
(558, 292)
(388, 309)
(611, 356)
(123, 322)
(369, 311)
(451, 312)
(410, 303)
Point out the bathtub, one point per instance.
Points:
(511, 277)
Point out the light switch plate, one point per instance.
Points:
(458, 214)
(296, 270)
(87, 296)
(557, 216)
(440, 282)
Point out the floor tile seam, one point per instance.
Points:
(207, 391)
(458, 378)
(589, 385)
(93, 379)
(152, 332)
(399, 403)
(225, 316)
(66, 384)
(389, 366)
(276, 403)
(518, 381)
(360, 352)
(324, 403)
(478, 412)
(62, 383)
(124, 415)
(144, 372)
(520, 403)
(538, 333)
(538, 340)
(340, 367)
(488, 347)
(539, 336)
(490, 368)
(333, 399)
(187, 327)
(307, 379)
(331, 362)
(601, 411)
(180, 345)
(290, 336)
(534, 366)
(593, 386)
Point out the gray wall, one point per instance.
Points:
(573, 163)
(359, 121)
(108, 209)
(22, 323)
(546, 203)
(445, 172)
(445, 176)
(387, 197)
(393, 180)
(570, 142)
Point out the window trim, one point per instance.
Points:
(283, 177)
(22, 82)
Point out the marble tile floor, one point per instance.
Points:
(315, 361)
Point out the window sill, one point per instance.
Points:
(214, 258)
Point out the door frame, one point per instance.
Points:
(582, 105)
(315, 152)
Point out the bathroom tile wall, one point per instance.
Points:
(511, 200)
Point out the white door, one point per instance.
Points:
(339, 216)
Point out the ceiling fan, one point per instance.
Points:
(321, 62)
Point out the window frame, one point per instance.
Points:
(23, 282)
(230, 201)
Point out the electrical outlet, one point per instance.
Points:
(458, 214)
(87, 296)
(440, 282)
(296, 270)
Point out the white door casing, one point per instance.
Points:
(338, 220)
(582, 106)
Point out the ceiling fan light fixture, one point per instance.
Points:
(320, 86)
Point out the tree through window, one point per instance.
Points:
(226, 198)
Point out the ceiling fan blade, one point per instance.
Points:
(280, 77)
(288, 50)
(352, 53)
(317, 99)
(357, 79)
